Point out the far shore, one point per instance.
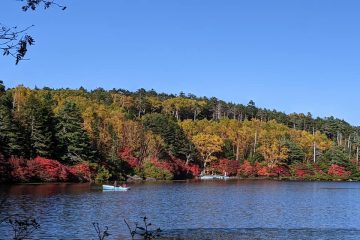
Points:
(285, 179)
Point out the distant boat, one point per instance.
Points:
(113, 188)
(212, 177)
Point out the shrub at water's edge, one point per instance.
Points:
(46, 170)
(153, 170)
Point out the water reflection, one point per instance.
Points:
(224, 208)
(44, 190)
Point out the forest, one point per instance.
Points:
(70, 135)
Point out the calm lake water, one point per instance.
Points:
(238, 209)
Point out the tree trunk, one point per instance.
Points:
(177, 114)
(255, 142)
(314, 146)
(237, 150)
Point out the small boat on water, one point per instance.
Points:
(212, 177)
(113, 188)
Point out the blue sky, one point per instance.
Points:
(294, 56)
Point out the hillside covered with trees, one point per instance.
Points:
(79, 135)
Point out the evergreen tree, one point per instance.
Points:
(251, 109)
(228, 149)
(295, 154)
(337, 155)
(73, 139)
(4, 169)
(2, 87)
(40, 123)
(176, 142)
(10, 135)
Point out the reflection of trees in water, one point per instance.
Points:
(46, 190)
(3, 199)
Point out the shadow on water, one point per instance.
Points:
(44, 189)
(260, 233)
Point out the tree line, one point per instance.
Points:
(165, 136)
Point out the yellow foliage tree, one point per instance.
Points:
(306, 140)
(274, 153)
(207, 145)
(126, 102)
(271, 148)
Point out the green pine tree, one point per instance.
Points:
(73, 139)
(11, 141)
(40, 124)
(2, 87)
(176, 142)
(295, 154)
(4, 169)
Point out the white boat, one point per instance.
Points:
(212, 177)
(113, 188)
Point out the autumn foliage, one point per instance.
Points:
(82, 171)
(122, 133)
(262, 170)
(338, 171)
(225, 166)
(176, 167)
(47, 170)
(126, 155)
(246, 169)
(156, 168)
(42, 169)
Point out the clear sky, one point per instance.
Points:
(294, 56)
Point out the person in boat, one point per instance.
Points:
(124, 185)
(115, 184)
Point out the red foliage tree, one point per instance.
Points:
(126, 155)
(263, 171)
(82, 171)
(246, 169)
(338, 171)
(193, 169)
(19, 170)
(186, 169)
(279, 171)
(300, 173)
(164, 165)
(256, 168)
(177, 167)
(225, 166)
(302, 170)
(48, 170)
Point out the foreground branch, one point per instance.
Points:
(15, 42)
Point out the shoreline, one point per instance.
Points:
(281, 179)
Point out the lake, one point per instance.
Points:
(235, 209)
